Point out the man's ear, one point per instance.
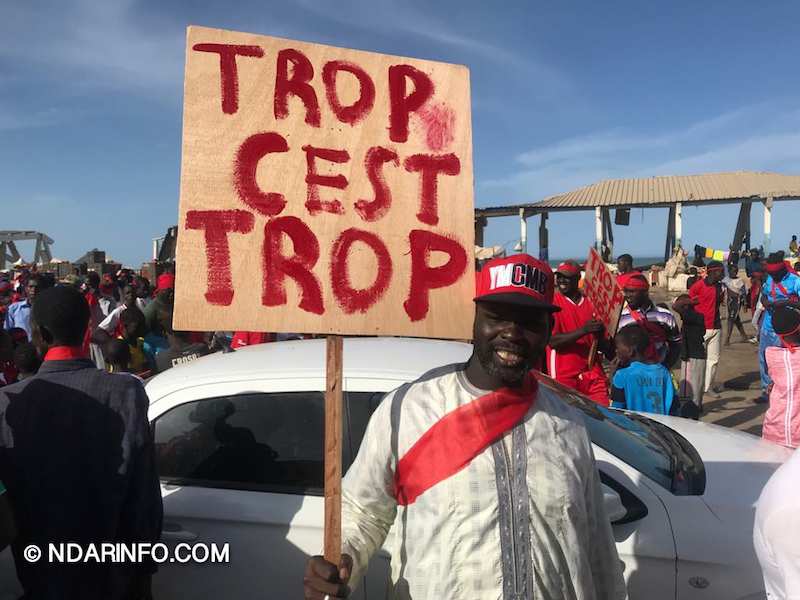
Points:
(45, 334)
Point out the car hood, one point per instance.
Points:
(738, 466)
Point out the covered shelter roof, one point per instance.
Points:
(662, 191)
(670, 191)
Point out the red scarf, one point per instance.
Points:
(654, 332)
(782, 337)
(66, 353)
(458, 437)
(783, 290)
(92, 300)
(773, 268)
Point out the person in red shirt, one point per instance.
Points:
(6, 293)
(709, 296)
(570, 345)
(625, 269)
(250, 338)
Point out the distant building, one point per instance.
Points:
(93, 256)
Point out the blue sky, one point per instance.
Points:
(564, 94)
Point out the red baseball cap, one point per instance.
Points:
(165, 281)
(519, 279)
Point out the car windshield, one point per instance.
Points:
(650, 447)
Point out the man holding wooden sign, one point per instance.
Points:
(603, 291)
(489, 479)
(572, 357)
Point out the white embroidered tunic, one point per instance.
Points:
(524, 521)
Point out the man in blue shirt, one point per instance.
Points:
(639, 384)
(19, 313)
(782, 289)
(753, 262)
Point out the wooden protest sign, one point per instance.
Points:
(323, 190)
(603, 291)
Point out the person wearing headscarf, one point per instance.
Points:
(782, 289)
(709, 295)
(660, 323)
(782, 421)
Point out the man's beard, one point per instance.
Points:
(508, 376)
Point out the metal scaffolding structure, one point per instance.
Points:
(10, 254)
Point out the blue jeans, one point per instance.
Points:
(767, 339)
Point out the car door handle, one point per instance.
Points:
(175, 533)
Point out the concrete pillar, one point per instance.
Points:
(742, 234)
(669, 246)
(678, 225)
(480, 225)
(37, 258)
(543, 233)
(598, 229)
(155, 248)
(767, 224)
(523, 237)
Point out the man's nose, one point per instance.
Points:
(512, 331)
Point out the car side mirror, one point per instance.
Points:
(615, 509)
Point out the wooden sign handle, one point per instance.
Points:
(593, 352)
(333, 448)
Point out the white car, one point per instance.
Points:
(239, 443)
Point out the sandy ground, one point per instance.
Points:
(737, 376)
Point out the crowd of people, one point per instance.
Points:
(130, 326)
(76, 449)
(650, 342)
(74, 412)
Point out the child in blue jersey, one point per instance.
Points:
(639, 384)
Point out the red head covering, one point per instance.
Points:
(165, 281)
(775, 267)
(569, 270)
(19, 336)
(636, 281)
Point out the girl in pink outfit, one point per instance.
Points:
(782, 421)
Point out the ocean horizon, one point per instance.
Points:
(638, 261)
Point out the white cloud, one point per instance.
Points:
(12, 119)
(755, 138)
(399, 19)
(92, 45)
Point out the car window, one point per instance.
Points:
(630, 439)
(257, 441)
(360, 406)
